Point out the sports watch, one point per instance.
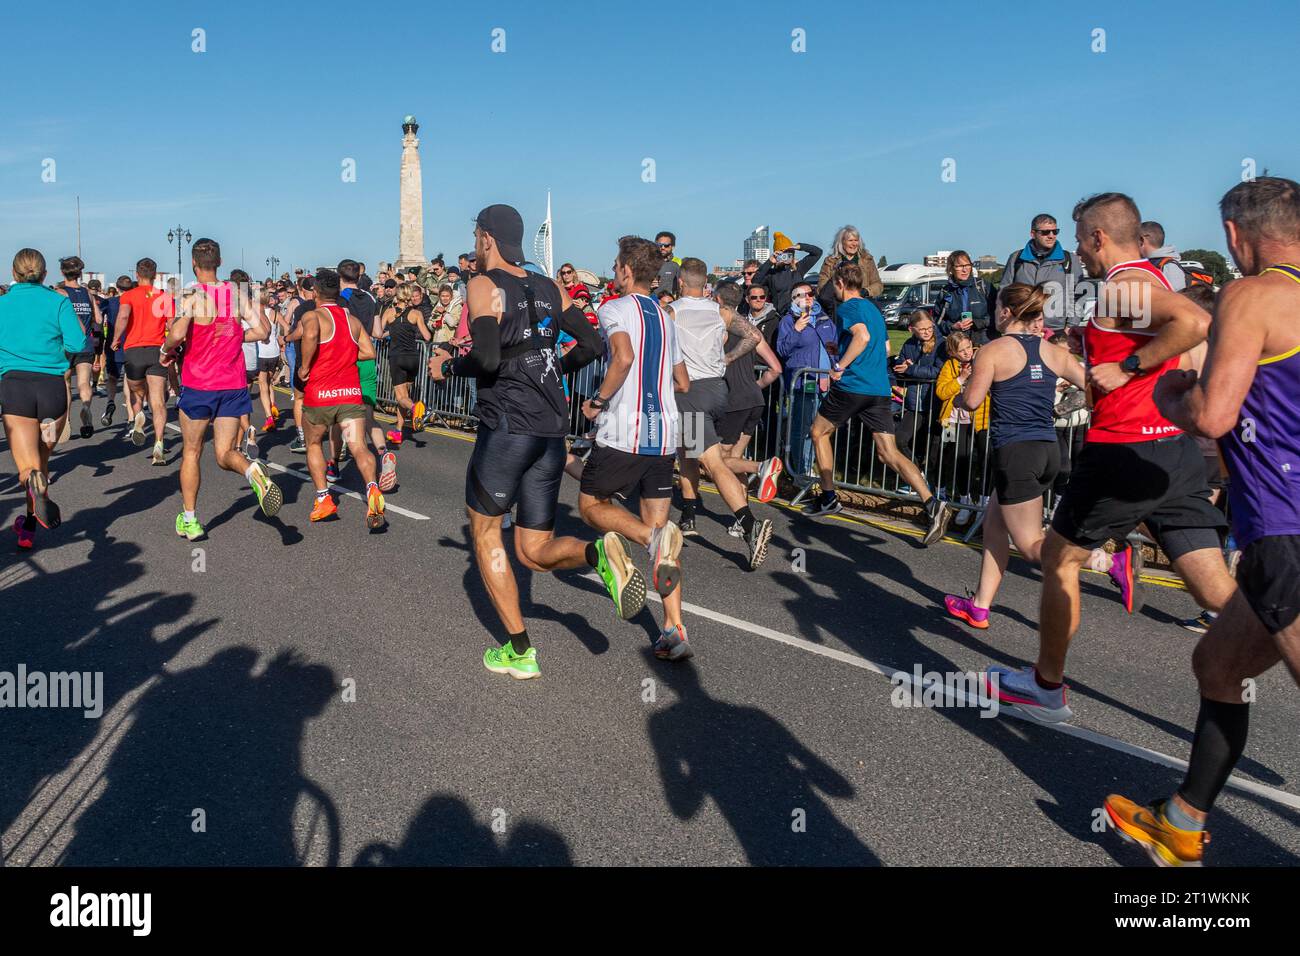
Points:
(1132, 364)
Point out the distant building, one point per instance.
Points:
(727, 272)
(759, 244)
(939, 260)
(988, 264)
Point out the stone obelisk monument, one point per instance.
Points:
(410, 241)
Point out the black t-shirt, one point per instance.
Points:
(362, 305)
(742, 384)
(527, 391)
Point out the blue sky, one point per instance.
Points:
(245, 142)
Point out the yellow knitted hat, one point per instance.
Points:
(781, 242)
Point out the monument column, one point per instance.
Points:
(410, 241)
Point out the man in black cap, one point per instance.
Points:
(519, 453)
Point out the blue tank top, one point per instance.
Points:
(1262, 451)
(1022, 404)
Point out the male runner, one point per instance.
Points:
(141, 327)
(1249, 398)
(333, 343)
(1136, 466)
(114, 359)
(81, 363)
(702, 327)
(361, 304)
(860, 388)
(519, 452)
(292, 339)
(213, 384)
(636, 410)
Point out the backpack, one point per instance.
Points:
(1194, 276)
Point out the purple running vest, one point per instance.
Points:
(1263, 450)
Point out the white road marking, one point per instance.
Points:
(339, 489)
(1283, 797)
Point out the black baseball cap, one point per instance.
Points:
(505, 225)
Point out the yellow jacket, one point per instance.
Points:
(946, 388)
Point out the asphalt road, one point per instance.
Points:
(283, 693)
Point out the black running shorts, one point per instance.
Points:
(79, 358)
(609, 472)
(743, 421)
(404, 367)
(876, 412)
(1025, 470)
(268, 365)
(33, 395)
(1114, 487)
(519, 471)
(144, 360)
(1268, 577)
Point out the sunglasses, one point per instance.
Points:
(1048, 232)
(757, 298)
(566, 272)
(665, 245)
(752, 272)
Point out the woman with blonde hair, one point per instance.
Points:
(404, 327)
(847, 247)
(1017, 373)
(39, 329)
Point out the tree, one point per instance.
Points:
(1214, 261)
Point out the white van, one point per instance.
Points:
(909, 287)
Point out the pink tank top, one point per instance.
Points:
(214, 353)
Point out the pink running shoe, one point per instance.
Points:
(964, 609)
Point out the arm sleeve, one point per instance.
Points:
(484, 356)
(813, 254)
(573, 321)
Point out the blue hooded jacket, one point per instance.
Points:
(806, 349)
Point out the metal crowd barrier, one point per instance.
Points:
(957, 465)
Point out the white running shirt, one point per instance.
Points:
(703, 336)
(642, 415)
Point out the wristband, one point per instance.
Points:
(601, 403)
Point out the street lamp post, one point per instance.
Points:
(180, 235)
(273, 264)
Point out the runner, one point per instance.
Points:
(81, 363)
(268, 364)
(860, 388)
(1249, 399)
(1019, 370)
(114, 359)
(214, 387)
(333, 396)
(519, 453)
(636, 411)
(293, 350)
(141, 327)
(1136, 466)
(360, 304)
(745, 406)
(38, 329)
(702, 327)
(403, 326)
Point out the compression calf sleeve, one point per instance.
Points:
(1221, 731)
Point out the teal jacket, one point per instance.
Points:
(37, 327)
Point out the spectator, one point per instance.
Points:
(669, 273)
(463, 262)
(421, 301)
(446, 315)
(1044, 262)
(847, 247)
(780, 274)
(665, 299)
(802, 339)
(958, 450)
(759, 310)
(1163, 257)
(577, 290)
(919, 360)
(965, 303)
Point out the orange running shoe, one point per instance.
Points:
(275, 412)
(375, 510)
(417, 417)
(325, 508)
(1166, 844)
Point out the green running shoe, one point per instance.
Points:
(623, 580)
(269, 495)
(188, 529)
(504, 660)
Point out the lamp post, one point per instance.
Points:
(273, 264)
(180, 235)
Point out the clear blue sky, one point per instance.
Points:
(245, 142)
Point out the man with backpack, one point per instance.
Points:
(1044, 262)
(1165, 258)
